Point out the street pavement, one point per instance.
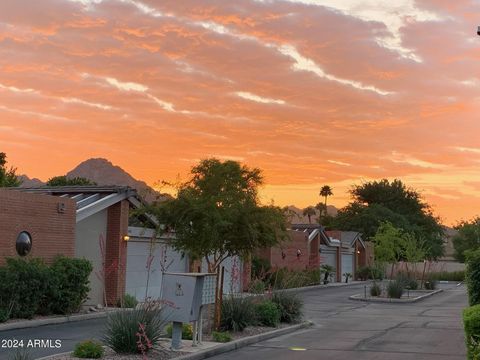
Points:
(343, 329)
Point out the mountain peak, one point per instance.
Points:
(104, 172)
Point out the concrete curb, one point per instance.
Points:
(237, 344)
(51, 356)
(317, 287)
(226, 347)
(359, 297)
(51, 321)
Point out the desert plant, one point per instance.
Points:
(471, 323)
(257, 287)
(221, 336)
(369, 273)
(472, 276)
(430, 284)
(268, 313)
(237, 313)
(21, 354)
(290, 305)
(187, 331)
(375, 289)
(89, 349)
(327, 271)
(123, 326)
(128, 302)
(347, 276)
(395, 289)
(260, 268)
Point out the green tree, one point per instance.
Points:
(379, 201)
(217, 213)
(388, 244)
(309, 211)
(8, 176)
(468, 238)
(65, 181)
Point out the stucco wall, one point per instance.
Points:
(89, 233)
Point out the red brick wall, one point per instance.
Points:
(52, 232)
(116, 251)
(298, 241)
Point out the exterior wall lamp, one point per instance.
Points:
(126, 238)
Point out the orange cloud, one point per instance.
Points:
(311, 94)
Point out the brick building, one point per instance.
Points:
(92, 222)
(81, 221)
(310, 246)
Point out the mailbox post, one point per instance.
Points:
(183, 291)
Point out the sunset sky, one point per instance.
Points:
(313, 92)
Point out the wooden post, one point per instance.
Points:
(219, 298)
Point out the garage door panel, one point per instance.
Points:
(347, 264)
(137, 272)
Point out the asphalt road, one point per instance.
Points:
(344, 329)
(69, 334)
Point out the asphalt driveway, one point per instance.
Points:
(344, 329)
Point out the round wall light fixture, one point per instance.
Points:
(23, 245)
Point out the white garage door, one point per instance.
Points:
(138, 253)
(329, 258)
(347, 265)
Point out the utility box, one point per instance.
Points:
(183, 292)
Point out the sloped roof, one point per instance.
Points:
(350, 237)
(90, 199)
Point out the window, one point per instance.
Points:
(24, 243)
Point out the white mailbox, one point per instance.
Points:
(183, 292)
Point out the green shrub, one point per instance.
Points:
(290, 306)
(88, 349)
(129, 302)
(30, 287)
(395, 289)
(268, 313)
(448, 276)
(222, 337)
(187, 331)
(24, 284)
(123, 326)
(471, 323)
(4, 315)
(257, 287)
(237, 313)
(369, 273)
(375, 289)
(472, 276)
(407, 281)
(70, 284)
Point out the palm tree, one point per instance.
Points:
(326, 191)
(309, 211)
